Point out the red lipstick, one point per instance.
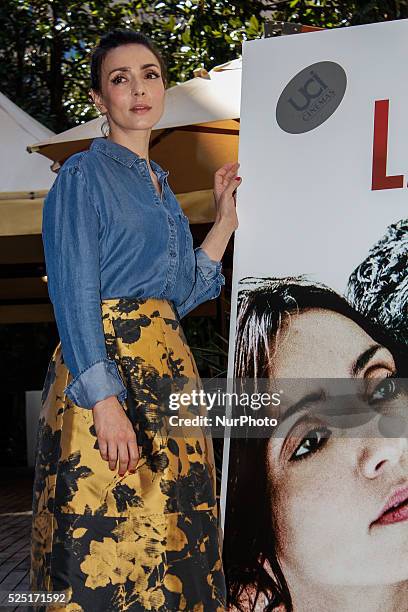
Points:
(395, 509)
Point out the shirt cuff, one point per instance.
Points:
(209, 268)
(95, 383)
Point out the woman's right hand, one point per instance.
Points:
(116, 436)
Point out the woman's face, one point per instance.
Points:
(330, 487)
(131, 78)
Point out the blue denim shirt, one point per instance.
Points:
(108, 234)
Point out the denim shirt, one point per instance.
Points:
(108, 234)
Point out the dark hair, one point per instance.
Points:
(378, 287)
(117, 38)
(250, 538)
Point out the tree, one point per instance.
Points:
(45, 44)
(334, 13)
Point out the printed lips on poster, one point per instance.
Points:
(324, 198)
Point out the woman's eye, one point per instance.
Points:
(312, 442)
(115, 80)
(387, 389)
(156, 76)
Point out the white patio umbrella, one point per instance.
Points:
(19, 171)
(24, 178)
(24, 181)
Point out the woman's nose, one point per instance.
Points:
(138, 88)
(379, 454)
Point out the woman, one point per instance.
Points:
(325, 526)
(121, 272)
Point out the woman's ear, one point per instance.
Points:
(96, 98)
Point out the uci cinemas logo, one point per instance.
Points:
(311, 97)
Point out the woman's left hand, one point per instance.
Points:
(226, 182)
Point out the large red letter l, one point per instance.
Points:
(380, 180)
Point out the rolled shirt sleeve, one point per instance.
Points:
(208, 282)
(71, 246)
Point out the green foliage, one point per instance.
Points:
(334, 13)
(45, 44)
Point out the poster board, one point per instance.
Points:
(323, 157)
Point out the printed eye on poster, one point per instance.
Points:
(315, 515)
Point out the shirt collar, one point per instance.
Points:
(122, 154)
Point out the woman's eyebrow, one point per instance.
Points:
(310, 398)
(361, 361)
(149, 66)
(320, 396)
(125, 68)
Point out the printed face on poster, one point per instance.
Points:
(320, 292)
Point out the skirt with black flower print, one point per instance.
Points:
(147, 540)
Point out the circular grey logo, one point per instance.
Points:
(311, 97)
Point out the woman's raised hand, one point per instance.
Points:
(226, 182)
(116, 437)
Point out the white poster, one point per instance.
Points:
(324, 202)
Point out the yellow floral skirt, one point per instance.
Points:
(142, 541)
